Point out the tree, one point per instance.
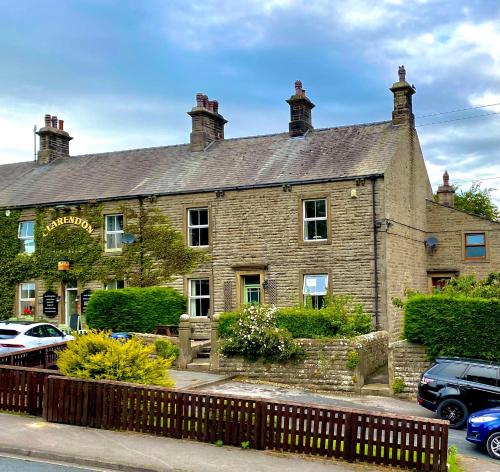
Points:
(478, 202)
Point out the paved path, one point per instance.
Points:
(139, 452)
(383, 404)
(11, 464)
(188, 379)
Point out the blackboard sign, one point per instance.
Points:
(50, 304)
(74, 322)
(85, 297)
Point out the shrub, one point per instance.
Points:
(134, 309)
(256, 335)
(352, 360)
(96, 356)
(166, 349)
(398, 385)
(468, 285)
(454, 326)
(340, 318)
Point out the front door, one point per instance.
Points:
(71, 303)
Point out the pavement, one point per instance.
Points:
(185, 379)
(32, 437)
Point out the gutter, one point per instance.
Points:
(188, 192)
(375, 256)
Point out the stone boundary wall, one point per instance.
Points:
(407, 361)
(151, 338)
(324, 368)
(200, 328)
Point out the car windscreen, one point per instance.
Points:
(448, 370)
(8, 333)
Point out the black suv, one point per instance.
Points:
(455, 387)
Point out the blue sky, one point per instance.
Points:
(123, 74)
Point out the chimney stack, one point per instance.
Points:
(208, 125)
(402, 90)
(300, 112)
(446, 192)
(54, 141)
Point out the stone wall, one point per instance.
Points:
(407, 361)
(324, 368)
(200, 328)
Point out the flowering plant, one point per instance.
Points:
(256, 335)
(27, 311)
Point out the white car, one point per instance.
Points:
(17, 335)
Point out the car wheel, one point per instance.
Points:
(493, 445)
(454, 411)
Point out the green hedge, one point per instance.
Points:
(310, 322)
(134, 309)
(454, 326)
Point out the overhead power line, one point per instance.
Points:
(458, 110)
(484, 115)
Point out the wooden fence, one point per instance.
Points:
(43, 357)
(413, 443)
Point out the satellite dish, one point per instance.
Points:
(128, 238)
(431, 242)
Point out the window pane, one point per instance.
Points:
(27, 290)
(194, 218)
(28, 246)
(26, 229)
(252, 279)
(321, 229)
(204, 287)
(203, 232)
(320, 208)
(110, 223)
(120, 284)
(315, 284)
(309, 209)
(111, 241)
(474, 239)
(119, 222)
(204, 306)
(203, 217)
(253, 295)
(475, 251)
(309, 230)
(195, 237)
(485, 375)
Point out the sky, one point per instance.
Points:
(122, 74)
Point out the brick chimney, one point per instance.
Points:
(208, 125)
(402, 91)
(446, 192)
(54, 141)
(300, 112)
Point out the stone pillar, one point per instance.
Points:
(403, 91)
(214, 343)
(185, 353)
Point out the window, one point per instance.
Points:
(251, 289)
(475, 246)
(114, 232)
(52, 332)
(199, 297)
(484, 375)
(26, 234)
(198, 227)
(36, 332)
(315, 220)
(315, 290)
(448, 370)
(438, 283)
(26, 298)
(115, 284)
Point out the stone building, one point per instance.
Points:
(344, 210)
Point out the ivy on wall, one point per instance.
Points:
(157, 254)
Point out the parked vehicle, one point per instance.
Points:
(121, 336)
(18, 335)
(483, 428)
(455, 387)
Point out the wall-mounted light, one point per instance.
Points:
(7, 213)
(354, 193)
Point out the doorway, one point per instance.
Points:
(70, 303)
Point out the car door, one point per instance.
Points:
(481, 384)
(52, 334)
(34, 337)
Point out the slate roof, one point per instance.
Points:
(332, 153)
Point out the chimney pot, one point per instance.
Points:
(446, 192)
(299, 91)
(61, 125)
(216, 106)
(205, 101)
(54, 122)
(48, 119)
(199, 100)
(446, 178)
(210, 105)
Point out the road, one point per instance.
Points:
(383, 404)
(17, 464)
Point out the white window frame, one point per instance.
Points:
(192, 297)
(26, 238)
(113, 284)
(315, 294)
(113, 232)
(318, 218)
(198, 226)
(30, 301)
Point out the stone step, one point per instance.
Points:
(377, 389)
(381, 376)
(203, 355)
(199, 365)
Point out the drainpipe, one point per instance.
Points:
(375, 254)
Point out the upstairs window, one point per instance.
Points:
(315, 290)
(315, 220)
(113, 232)
(199, 297)
(26, 233)
(198, 227)
(475, 246)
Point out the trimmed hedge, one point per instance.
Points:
(309, 323)
(134, 309)
(454, 326)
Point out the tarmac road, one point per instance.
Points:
(15, 464)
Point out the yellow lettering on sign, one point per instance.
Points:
(59, 221)
(65, 220)
(68, 220)
(72, 220)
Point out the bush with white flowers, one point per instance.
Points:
(256, 335)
